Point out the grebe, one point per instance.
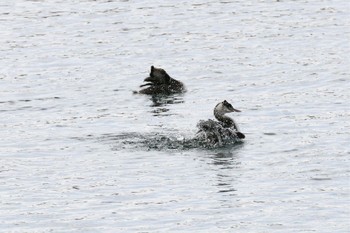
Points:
(160, 82)
(223, 131)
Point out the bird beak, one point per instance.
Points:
(148, 79)
(232, 109)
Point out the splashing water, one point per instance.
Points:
(158, 141)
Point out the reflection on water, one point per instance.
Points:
(227, 165)
(160, 112)
(163, 100)
(227, 158)
(160, 103)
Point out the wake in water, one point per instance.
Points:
(158, 141)
(211, 134)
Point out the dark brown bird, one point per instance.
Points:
(159, 82)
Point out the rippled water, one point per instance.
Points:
(81, 153)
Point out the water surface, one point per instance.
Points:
(81, 153)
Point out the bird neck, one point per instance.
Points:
(227, 121)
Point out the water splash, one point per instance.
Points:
(158, 141)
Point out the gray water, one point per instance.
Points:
(80, 152)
